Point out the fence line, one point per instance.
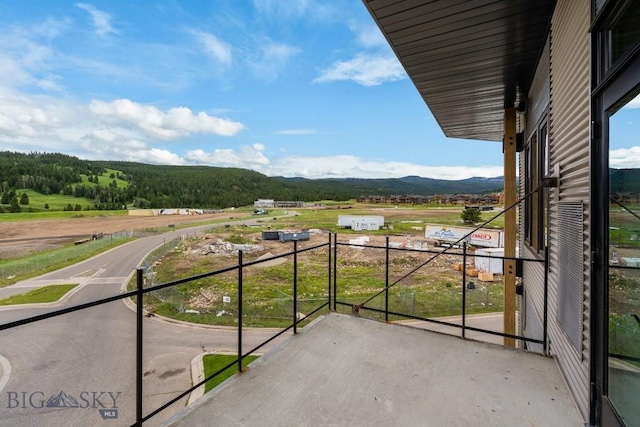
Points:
(405, 297)
(44, 260)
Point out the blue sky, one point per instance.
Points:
(284, 87)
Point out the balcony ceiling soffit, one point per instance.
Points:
(469, 60)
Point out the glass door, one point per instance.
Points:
(623, 311)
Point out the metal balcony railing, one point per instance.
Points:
(394, 303)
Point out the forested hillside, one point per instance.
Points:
(210, 187)
(119, 185)
(43, 172)
(625, 180)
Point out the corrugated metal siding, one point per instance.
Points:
(538, 99)
(537, 103)
(569, 132)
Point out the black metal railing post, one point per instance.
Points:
(546, 302)
(335, 270)
(464, 288)
(239, 311)
(329, 270)
(139, 343)
(386, 281)
(295, 287)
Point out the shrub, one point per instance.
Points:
(470, 215)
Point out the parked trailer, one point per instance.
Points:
(491, 260)
(364, 222)
(483, 237)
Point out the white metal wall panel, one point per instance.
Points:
(538, 99)
(569, 132)
(533, 273)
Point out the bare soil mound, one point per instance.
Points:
(23, 237)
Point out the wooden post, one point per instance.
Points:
(510, 225)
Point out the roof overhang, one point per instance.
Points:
(470, 60)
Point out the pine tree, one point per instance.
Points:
(471, 215)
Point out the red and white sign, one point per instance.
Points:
(483, 237)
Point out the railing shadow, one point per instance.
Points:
(141, 291)
(453, 291)
(430, 302)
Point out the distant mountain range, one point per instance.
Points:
(414, 185)
(624, 180)
(117, 184)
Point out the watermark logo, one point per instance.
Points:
(62, 400)
(106, 402)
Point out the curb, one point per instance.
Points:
(46, 304)
(5, 369)
(197, 374)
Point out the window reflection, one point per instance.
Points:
(626, 32)
(624, 262)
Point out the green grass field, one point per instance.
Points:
(13, 270)
(400, 220)
(41, 295)
(58, 202)
(105, 179)
(267, 292)
(214, 362)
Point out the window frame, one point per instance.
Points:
(537, 166)
(612, 80)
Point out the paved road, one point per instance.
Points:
(87, 358)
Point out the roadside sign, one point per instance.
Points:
(482, 237)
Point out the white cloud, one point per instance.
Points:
(623, 158)
(634, 103)
(27, 58)
(22, 116)
(174, 123)
(154, 156)
(43, 123)
(120, 130)
(365, 69)
(297, 132)
(270, 58)
(311, 10)
(253, 157)
(368, 36)
(351, 166)
(101, 20)
(214, 47)
(372, 63)
(34, 56)
(279, 8)
(249, 157)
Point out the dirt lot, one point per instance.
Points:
(21, 238)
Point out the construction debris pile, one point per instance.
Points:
(220, 247)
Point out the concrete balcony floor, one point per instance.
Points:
(348, 371)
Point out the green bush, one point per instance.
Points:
(238, 239)
(471, 215)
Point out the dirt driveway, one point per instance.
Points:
(23, 237)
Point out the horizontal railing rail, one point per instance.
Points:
(331, 302)
(463, 254)
(141, 291)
